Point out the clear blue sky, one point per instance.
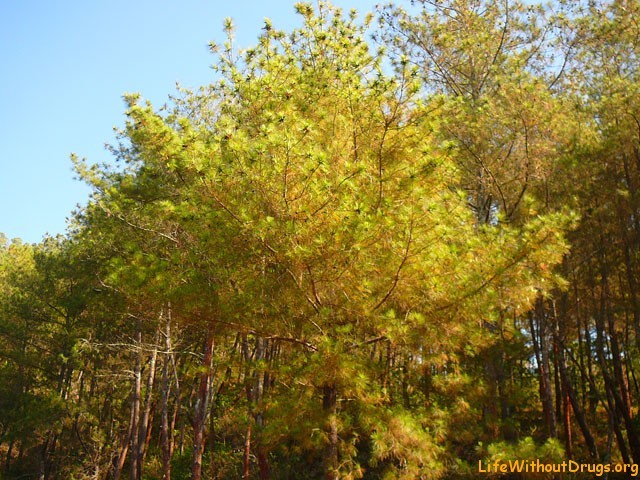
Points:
(65, 66)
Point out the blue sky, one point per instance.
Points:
(65, 66)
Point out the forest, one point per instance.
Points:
(394, 245)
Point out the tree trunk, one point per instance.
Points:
(165, 434)
(135, 405)
(330, 407)
(255, 386)
(124, 449)
(7, 463)
(201, 405)
(620, 394)
(143, 430)
(575, 405)
(541, 347)
(263, 463)
(250, 403)
(612, 401)
(568, 433)
(247, 453)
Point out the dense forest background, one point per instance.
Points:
(375, 247)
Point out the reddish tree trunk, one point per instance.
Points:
(329, 405)
(201, 406)
(145, 425)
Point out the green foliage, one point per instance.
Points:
(526, 449)
(360, 236)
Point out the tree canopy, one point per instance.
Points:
(389, 246)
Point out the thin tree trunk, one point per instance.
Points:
(7, 463)
(612, 402)
(541, 348)
(330, 407)
(263, 385)
(564, 386)
(201, 405)
(620, 394)
(263, 463)
(246, 357)
(247, 453)
(42, 464)
(143, 430)
(255, 386)
(135, 405)
(575, 405)
(568, 433)
(124, 449)
(165, 434)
